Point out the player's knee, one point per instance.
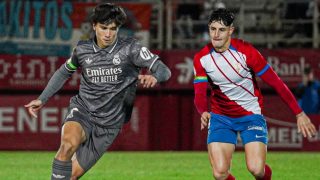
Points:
(256, 170)
(67, 148)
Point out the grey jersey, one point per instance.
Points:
(109, 78)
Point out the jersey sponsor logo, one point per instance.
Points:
(103, 71)
(70, 115)
(103, 75)
(116, 59)
(88, 61)
(145, 53)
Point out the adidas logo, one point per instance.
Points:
(71, 112)
(88, 61)
(58, 176)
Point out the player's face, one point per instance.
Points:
(105, 34)
(220, 35)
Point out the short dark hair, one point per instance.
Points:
(222, 15)
(106, 13)
(307, 70)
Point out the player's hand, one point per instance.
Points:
(205, 117)
(305, 125)
(33, 107)
(147, 81)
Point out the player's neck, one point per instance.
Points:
(224, 47)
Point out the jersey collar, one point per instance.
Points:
(109, 49)
(211, 48)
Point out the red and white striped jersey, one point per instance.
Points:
(231, 75)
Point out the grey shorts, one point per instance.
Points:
(98, 139)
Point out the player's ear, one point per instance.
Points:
(231, 30)
(94, 26)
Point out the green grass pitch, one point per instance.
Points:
(160, 166)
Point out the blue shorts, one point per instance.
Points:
(224, 129)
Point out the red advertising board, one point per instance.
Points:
(25, 72)
(31, 72)
(180, 63)
(290, 63)
(18, 131)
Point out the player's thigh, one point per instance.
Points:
(72, 132)
(255, 155)
(220, 155)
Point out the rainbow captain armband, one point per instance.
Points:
(199, 79)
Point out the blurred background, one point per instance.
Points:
(36, 37)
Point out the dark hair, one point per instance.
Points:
(107, 13)
(221, 15)
(307, 70)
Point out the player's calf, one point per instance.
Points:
(61, 170)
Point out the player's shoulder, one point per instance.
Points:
(127, 41)
(240, 43)
(242, 46)
(129, 44)
(84, 45)
(204, 51)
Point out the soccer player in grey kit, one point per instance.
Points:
(110, 68)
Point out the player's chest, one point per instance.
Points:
(104, 68)
(226, 68)
(103, 59)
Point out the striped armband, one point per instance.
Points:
(199, 79)
(266, 67)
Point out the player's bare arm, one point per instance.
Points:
(305, 125)
(33, 107)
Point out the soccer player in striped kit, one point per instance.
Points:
(230, 66)
(110, 67)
